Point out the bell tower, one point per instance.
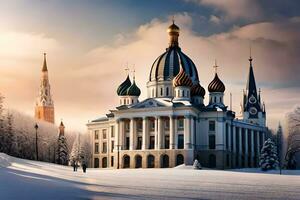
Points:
(252, 107)
(44, 108)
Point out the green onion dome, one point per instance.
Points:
(216, 85)
(182, 79)
(122, 89)
(133, 90)
(197, 90)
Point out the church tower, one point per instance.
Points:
(252, 108)
(44, 108)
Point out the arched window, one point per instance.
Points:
(215, 99)
(131, 100)
(161, 91)
(167, 91)
(96, 162)
(220, 99)
(126, 161)
(104, 162)
(187, 94)
(138, 161)
(212, 141)
(179, 159)
(164, 161)
(150, 161)
(212, 161)
(182, 93)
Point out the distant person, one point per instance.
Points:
(74, 165)
(84, 167)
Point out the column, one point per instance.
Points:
(172, 132)
(121, 134)
(240, 147)
(252, 148)
(131, 134)
(192, 133)
(229, 137)
(246, 148)
(175, 132)
(159, 132)
(257, 148)
(117, 136)
(187, 132)
(155, 133)
(145, 133)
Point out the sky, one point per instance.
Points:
(89, 44)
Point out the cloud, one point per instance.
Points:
(84, 84)
(233, 9)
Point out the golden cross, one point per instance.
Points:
(216, 66)
(127, 68)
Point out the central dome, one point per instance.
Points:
(167, 66)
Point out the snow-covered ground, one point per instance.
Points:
(23, 179)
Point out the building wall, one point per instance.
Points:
(45, 113)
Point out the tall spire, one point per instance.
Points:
(45, 64)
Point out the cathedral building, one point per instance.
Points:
(44, 108)
(173, 126)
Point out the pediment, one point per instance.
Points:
(152, 103)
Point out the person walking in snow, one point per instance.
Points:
(74, 165)
(84, 167)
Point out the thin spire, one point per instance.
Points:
(173, 19)
(216, 66)
(133, 73)
(250, 57)
(45, 64)
(127, 69)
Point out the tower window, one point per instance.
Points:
(161, 91)
(167, 91)
(212, 142)
(212, 125)
(215, 100)
(182, 93)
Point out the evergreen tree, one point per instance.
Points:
(2, 128)
(268, 156)
(62, 150)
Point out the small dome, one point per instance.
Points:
(197, 90)
(173, 28)
(133, 90)
(216, 85)
(122, 89)
(182, 79)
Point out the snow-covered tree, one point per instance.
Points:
(268, 156)
(62, 147)
(81, 150)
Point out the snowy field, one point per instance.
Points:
(23, 179)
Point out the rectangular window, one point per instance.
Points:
(112, 161)
(180, 124)
(167, 142)
(112, 146)
(127, 143)
(227, 137)
(112, 128)
(104, 133)
(152, 125)
(139, 143)
(139, 126)
(180, 141)
(212, 142)
(127, 126)
(212, 125)
(96, 134)
(152, 142)
(167, 124)
(96, 147)
(104, 147)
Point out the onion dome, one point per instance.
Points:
(216, 85)
(168, 64)
(197, 90)
(173, 28)
(182, 79)
(133, 90)
(122, 89)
